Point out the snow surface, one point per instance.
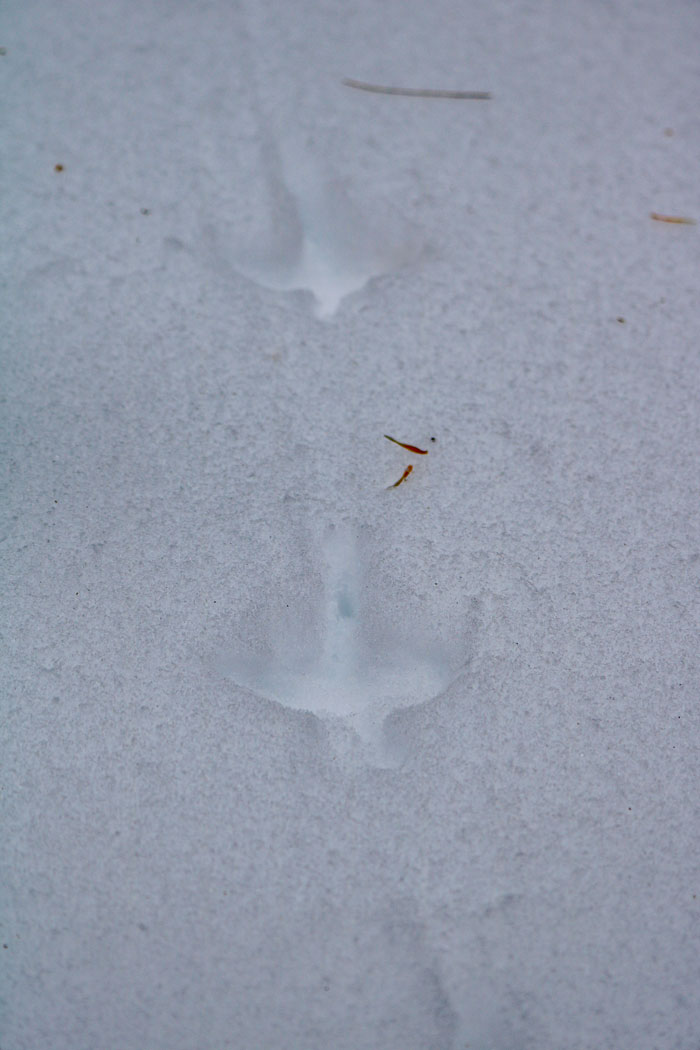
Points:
(293, 759)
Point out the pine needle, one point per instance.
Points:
(673, 218)
(379, 89)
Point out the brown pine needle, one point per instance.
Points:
(403, 477)
(409, 448)
(379, 89)
(673, 218)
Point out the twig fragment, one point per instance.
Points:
(680, 219)
(409, 448)
(403, 477)
(379, 89)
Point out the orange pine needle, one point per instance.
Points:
(409, 448)
(403, 477)
(673, 218)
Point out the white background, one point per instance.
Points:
(512, 864)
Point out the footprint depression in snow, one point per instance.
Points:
(352, 673)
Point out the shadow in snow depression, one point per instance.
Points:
(321, 239)
(343, 670)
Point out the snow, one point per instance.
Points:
(293, 758)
